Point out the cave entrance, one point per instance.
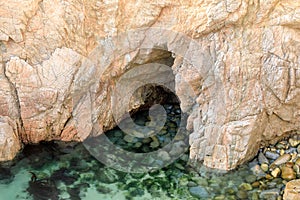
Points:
(143, 99)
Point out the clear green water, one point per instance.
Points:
(68, 171)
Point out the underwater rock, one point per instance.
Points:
(43, 189)
(199, 192)
(5, 175)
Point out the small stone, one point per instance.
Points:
(129, 138)
(282, 159)
(271, 194)
(269, 177)
(242, 194)
(280, 145)
(271, 155)
(199, 192)
(221, 197)
(255, 184)
(288, 173)
(292, 190)
(245, 186)
(298, 149)
(229, 191)
(200, 181)
(275, 173)
(262, 158)
(294, 142)
(179, 166)
(294, 157)
(281, 152)
(258, 172)
(297, 162)
(154, 144)
(250, 178)
(254, 196)
(264, 167)
(147, 140)
(138, 145)
(297, 170)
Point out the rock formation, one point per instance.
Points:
(236, 66)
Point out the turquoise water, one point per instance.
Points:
(69, 171)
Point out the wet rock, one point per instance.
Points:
(288, 173)
(292, 190)
(282, 159)
(199, 192)
(271, 194)
(271, 155)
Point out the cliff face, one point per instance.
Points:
(236, 66)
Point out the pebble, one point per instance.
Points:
(262, 158)
(280, 145)
(297, 162)
(294, 142)
(282, 159)
(275, 173)
(258, 172)
(264, 167)
(245, 186)
(271, 155)
(154, 144)
(199, 192)
(242, 194)
(298, 149)
(269, 177)
(129, 138)
(251, 178)
(288, 173)
(255, 184)
(271, 194)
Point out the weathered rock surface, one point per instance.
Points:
(236, 69)
(292, 190)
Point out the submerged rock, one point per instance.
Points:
(199, 192)
(43, 190)
(271, 194)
